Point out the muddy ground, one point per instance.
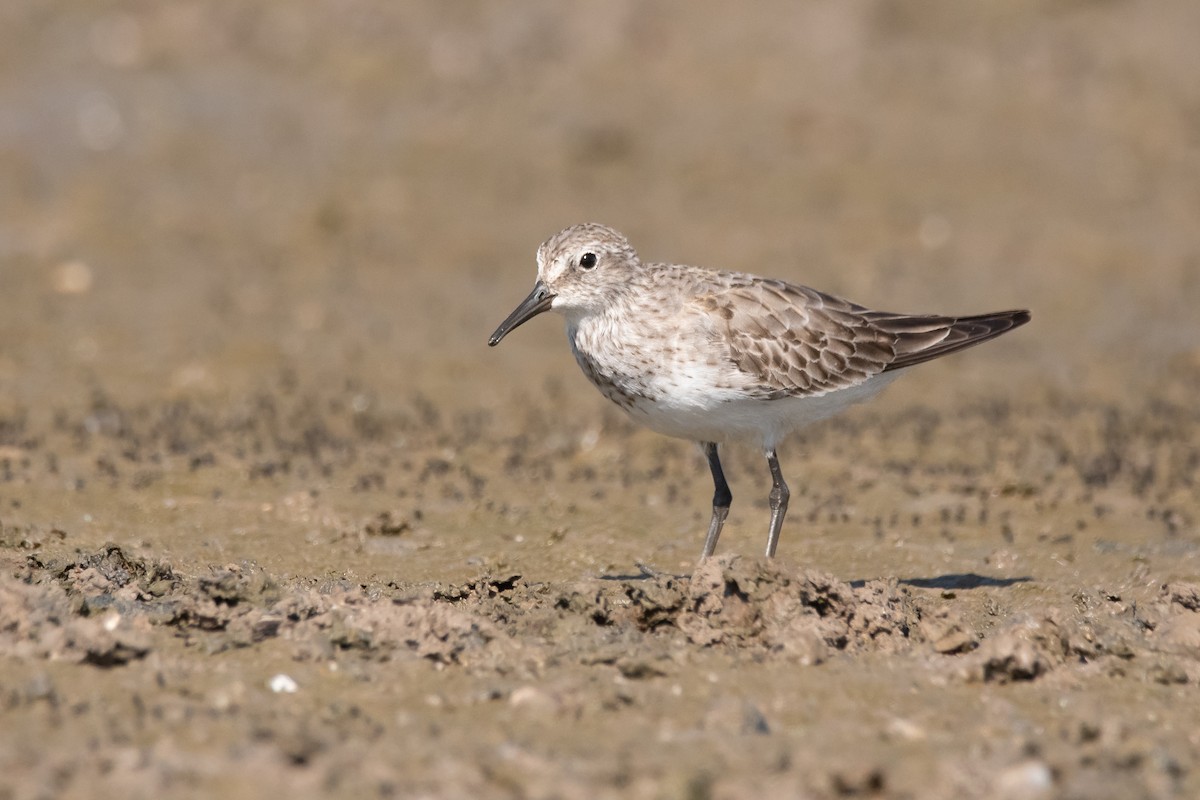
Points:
(274, 519)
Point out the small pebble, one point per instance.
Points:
(283, 684)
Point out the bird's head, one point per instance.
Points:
(581, 269)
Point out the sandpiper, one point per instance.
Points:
(716, 356)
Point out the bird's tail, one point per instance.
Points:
(922, 338)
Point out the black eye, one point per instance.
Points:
(587, 260)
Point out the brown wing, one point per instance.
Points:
(793, 341)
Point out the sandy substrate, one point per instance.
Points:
(274, 521)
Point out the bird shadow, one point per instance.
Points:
(953, 581)
(645, 573)
(957, 580)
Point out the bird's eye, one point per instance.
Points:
(587, 260)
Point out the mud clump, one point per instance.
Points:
(1024, 650)
(45, 620)
(741, 603)
(377, 629)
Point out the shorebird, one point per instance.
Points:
(716, 356)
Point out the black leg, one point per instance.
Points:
(779, 503)
(722, 498)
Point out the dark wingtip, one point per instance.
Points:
(958, 333)
(992, 324)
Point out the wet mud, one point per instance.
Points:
(274, 520)
(1034, 633)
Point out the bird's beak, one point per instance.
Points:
(539, 300)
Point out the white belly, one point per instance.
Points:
(714, 415)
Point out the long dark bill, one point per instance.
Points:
(539, 300)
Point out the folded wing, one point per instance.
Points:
(793, 341)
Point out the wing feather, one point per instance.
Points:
(787, 340)
(793, 341)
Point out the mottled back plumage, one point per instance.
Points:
(798, 341)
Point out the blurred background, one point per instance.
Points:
(205, 198)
